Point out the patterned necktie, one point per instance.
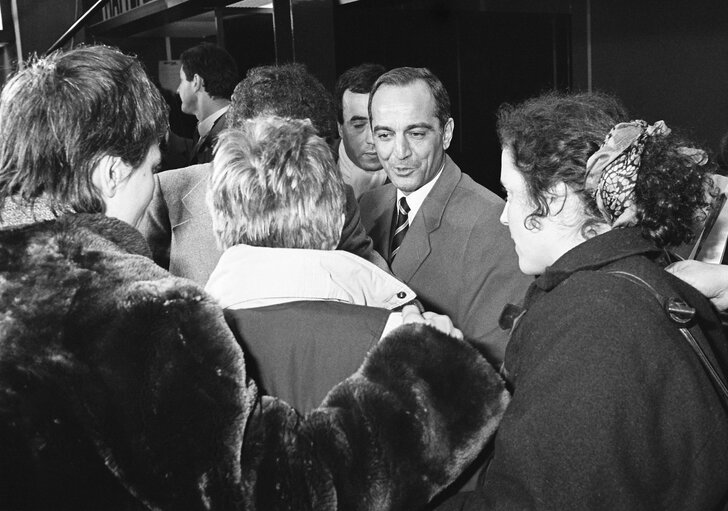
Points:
(400, 228)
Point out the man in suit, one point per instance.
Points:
(178, 225)
(438, 229)
(358, 161)
(207, 77)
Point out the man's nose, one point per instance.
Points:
(368, 138)
(401, 147)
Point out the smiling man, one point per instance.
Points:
(358, 161)
(438, 229)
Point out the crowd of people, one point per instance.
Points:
(318, 309)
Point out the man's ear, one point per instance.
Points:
(110, 171)
(338, 124)
(447, 133)
(198, 83)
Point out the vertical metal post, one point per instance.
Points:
(304, 32)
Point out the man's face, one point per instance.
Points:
(186, 91)
(408, 137)
(356, 134)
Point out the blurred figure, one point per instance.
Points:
(178, 227)
(436, 226)
(613, 406)
(207, 77)
(358, 162)
(723, 154)
(306, 314)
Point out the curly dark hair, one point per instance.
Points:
(214, 65)
(552, 136)
(288, 90)
(671, 189)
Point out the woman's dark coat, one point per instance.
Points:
(122, 388)
(611, 408)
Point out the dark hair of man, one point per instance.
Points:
(358, 79)
(288, 90)
(214, 65)
(552, 137)
(403, 76)
(62, 113)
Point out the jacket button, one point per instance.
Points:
(401, 295)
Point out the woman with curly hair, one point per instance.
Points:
(612, 408)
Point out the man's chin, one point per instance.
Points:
(369, 165)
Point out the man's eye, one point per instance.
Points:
(360, 125)
(417, 134)
(384, 136)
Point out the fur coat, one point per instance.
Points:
(122, 388)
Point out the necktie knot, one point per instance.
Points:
(403, 206)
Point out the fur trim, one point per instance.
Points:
(389, 437)
(115, 379)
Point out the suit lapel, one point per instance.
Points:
(416, 246)
(194, 202)
(218, 126)
(381, 231)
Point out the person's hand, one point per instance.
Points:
(411, 314)
(710, 279)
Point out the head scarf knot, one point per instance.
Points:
(611, 172)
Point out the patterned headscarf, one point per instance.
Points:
(611, 172)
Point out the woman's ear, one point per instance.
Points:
(110, 171)
(558, 195)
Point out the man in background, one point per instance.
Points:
(207, 78)
(358, 161)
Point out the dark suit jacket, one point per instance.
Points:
(202, 152)
(456, 255)
(178, 225)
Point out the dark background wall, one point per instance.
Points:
(666, 60)
(483, 59)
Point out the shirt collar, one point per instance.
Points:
(206, 124)
(416, 198)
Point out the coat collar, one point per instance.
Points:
(596, 253)
(416, 247)
(247, 277)
(593, 254)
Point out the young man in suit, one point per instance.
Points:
(358, 161)
(436, 227)
(207, 78)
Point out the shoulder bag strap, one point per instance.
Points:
(680, 313)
